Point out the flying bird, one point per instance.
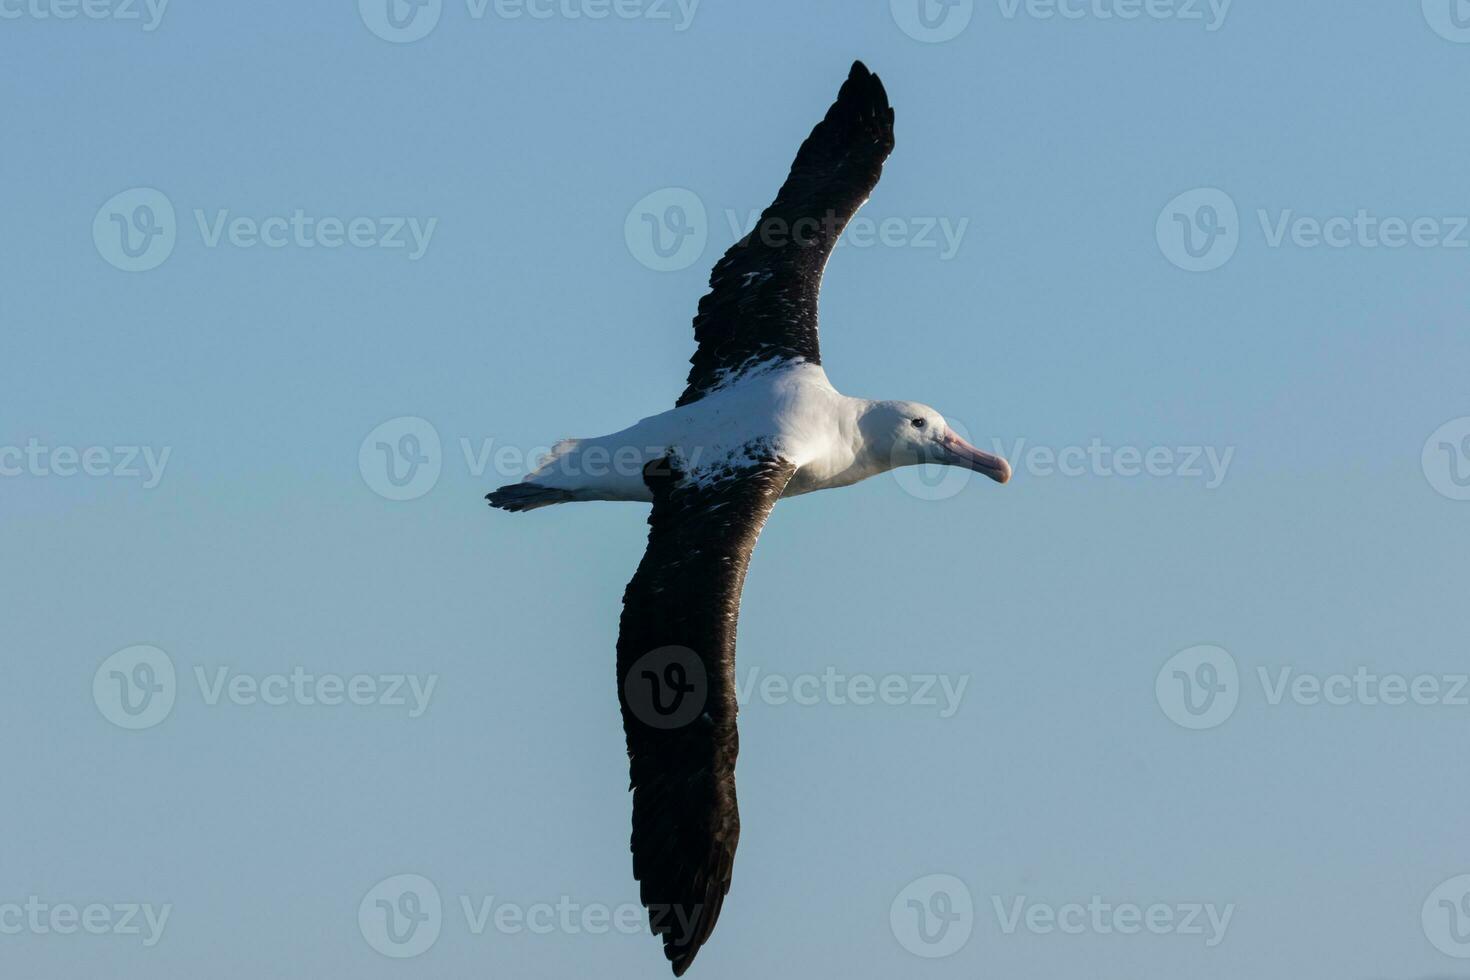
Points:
(758, 421)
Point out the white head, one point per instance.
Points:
(908, 433)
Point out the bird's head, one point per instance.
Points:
(908, 433)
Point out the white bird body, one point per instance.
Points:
(790, 408)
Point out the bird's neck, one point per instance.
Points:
(853, 455)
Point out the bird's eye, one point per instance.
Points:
(918, 423)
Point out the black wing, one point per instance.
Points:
(762, 301)
(676, 683)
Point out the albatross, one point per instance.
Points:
(758, 421)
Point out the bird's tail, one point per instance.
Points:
(516, 497)
(529, 494)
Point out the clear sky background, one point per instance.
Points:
(1333, 541)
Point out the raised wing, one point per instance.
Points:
(762, 302)
(676, 683)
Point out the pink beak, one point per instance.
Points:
(961, 453)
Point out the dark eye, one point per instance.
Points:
(918, 423)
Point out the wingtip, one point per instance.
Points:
(865, 83)
(681, 951)
(862, 73)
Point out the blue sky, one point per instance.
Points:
(1199, 270)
